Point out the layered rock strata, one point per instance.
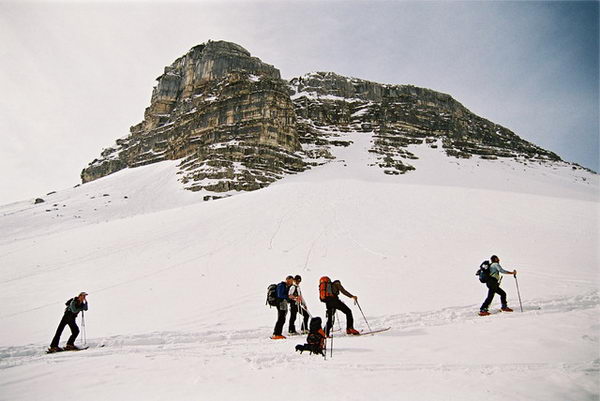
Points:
(234, 125)
(398, 116)
(226, 115)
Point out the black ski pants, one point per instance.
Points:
(281, 314)
(67, 319)
(295, 309)
(493, 288)
(333, 305)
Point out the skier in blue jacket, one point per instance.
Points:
(282, 306)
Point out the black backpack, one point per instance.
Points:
(484, 271)
(315, 342)
(314, 325)
(272, 295)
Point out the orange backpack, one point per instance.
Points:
(325, 290)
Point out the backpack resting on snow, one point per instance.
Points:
(315, 342)
(315, 325)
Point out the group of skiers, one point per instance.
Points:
(288, 295)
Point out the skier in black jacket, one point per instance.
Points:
(334, 303)
(74, 306)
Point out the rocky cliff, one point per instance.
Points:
(399, 116)
(225, 115)
(234, 125)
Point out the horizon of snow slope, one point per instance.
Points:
(177, 285)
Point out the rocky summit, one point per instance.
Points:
(227, 117)
(234, 125)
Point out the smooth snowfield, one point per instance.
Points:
(177, 286)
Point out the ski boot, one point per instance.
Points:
(506, 309)
(277, 337)
(352, 332)
(484, 313)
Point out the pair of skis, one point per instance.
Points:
(49, 351)
(366, 333)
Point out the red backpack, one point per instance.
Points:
(325, 290)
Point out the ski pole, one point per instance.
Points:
(305, 312)
(361, 311)
(519, 293)
(304, 307)
(331, 352)
(84, 336)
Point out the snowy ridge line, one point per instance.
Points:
(80, 224)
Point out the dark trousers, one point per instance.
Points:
(67, 319)
(281, 314)
(493, 288)
(332, 306)
(295, 309)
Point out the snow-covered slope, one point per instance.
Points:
(177, 285)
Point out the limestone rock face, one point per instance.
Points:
(226, 115)
(398, 116)
(234, 125)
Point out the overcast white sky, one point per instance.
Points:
(74, 76)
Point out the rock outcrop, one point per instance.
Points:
(398, 116)
(226, 115)
(234, 125)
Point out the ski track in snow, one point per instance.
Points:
(244, 344)
(452, 314)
